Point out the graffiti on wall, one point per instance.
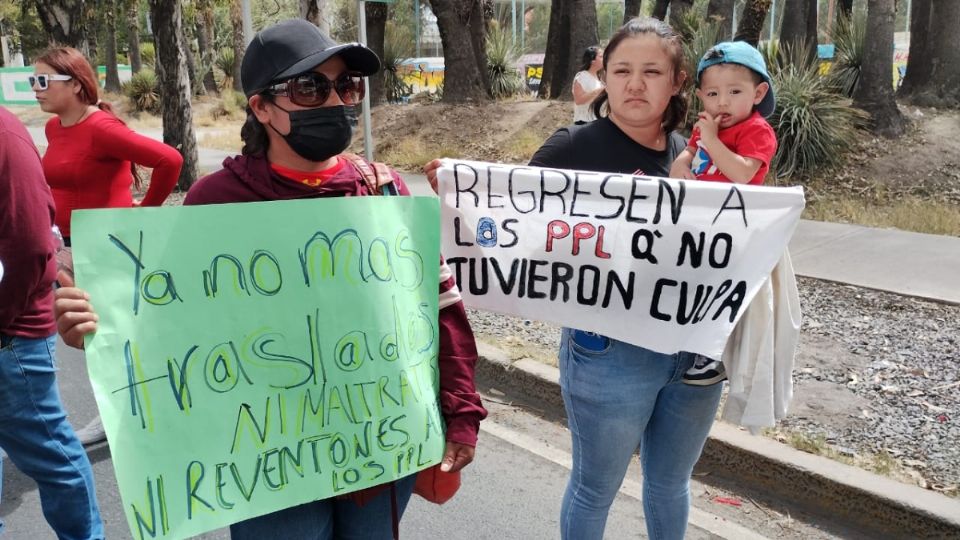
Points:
(422, 74)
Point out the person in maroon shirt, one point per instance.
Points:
(92, 156)
(34, 431)
(302, 88)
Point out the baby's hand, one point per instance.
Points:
(708, 126)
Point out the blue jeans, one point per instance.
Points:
(35, 434)
(327, 519)
(620, 397)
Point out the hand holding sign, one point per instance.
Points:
(75, 315)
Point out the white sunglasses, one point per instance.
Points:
(42, 80)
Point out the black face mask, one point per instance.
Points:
(321, 133)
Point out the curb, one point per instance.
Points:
(845, 493)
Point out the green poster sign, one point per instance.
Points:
(252, 357)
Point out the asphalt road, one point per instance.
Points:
(511, 491)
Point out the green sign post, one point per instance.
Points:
(252, 357)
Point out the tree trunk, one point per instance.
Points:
(583, 34)
(462, 79)
(239, 43)
(875, 92)
(310, 10)
(89, 46)
(576, 29)
(677, 9)
(722, 12)
(933, 72)
(846, 7)
(799, 26)
(112, 84)
(188, 39)
(133, 35)
(631, 9)
(376, 32)
(62, 20)
(556, 51)
(479, 22)
(205, 44)
(175, 91)
(660, 9)
(751, 21)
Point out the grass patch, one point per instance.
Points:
(412, 153)
(222, 140)
(143, 120)
(523, 144)
(908, 213)
(881, 463)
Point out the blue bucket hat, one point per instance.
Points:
(740, 52)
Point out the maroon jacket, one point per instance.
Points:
(26, 241)
(250, 179)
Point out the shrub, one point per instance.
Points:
(224, 65)
(231, 104)
(502, 56)
(815, 125)
(849, 36)
(143, 90)
(770, 50)
(148, 55)
(396, 48)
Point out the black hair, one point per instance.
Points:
(672, 42)
(253, 133)
(589, 55)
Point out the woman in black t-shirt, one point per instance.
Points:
(620, 397)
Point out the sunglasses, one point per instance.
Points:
(42, 80)
(312, 89)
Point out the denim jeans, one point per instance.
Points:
(329, 519)
(36, 436)
(620, 397)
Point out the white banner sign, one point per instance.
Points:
(666, 264)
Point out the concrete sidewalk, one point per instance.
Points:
(912, 264)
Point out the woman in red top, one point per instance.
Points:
(91, 154)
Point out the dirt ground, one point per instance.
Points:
(925, 162)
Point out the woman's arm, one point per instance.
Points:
(581, 96)
(118, 141)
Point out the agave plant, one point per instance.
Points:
(143, 91)
(849, 36)
(815, 125)
(502, 56)
(396, 48)
(224, 64)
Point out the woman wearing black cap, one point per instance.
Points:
(302, 88)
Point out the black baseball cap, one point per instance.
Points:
(293, 47)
